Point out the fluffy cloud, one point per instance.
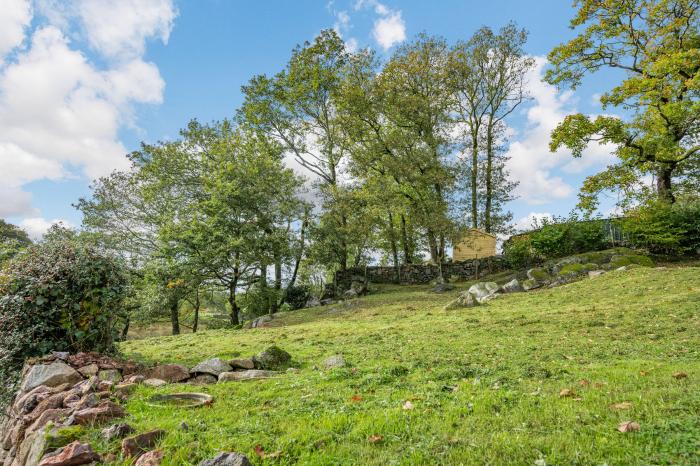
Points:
(60, 113)
(532, 220)
(16, 16)
(531, 163)
(36, 227)
(389, 30)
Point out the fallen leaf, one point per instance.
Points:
(643, 373)
(578, 398)
(356, 398)
(408, 405)
(680, 375)
(623, 405)
(262, 454)
(598, 385)
(567, 392)
(584, 383)
(628, 426)
(375, 438)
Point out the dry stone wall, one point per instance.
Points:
(416, 274)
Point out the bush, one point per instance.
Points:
(297, 296)
(58, 296)
(665, 229)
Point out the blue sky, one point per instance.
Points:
(82, 82)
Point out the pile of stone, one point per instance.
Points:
(58, 395)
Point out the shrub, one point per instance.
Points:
(664, 228)
(58, 296)
(297, 296)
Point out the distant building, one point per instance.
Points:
(474, 244)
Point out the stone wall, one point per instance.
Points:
(416, 274)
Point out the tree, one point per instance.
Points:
(12, 240)
(488, 79)
(656, 44)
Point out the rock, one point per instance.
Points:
(531, 284)
(261, 321)
(151, 458)
(89, 400)
(104, 411)
(89, 370)
(141, 443)
(539, 274)
(595, 273)
(172, 373)
(110, 375)
(327, 301)
(213, 366)
(512, 286)
(125, 388)
(242, 363)
(483, 291)
(50, 415)
(273, 358)
(246, 375)
(59, 437)
(464, 300)
(442, 288)
(334, 362)
(32, 449)
(72, 455)
(313, 302)
(155, 383)
(51, 375)
(135, 379)
(350, 294)
(227, 459)
(204, 379)
(62, 355)
(116, 431)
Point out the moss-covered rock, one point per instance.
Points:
(577, 269)
(618, 261)
(539, 274)
(58, 437)
(273, 358)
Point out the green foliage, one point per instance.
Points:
(60, 295)
(297, 296)
(665, 229)
(12, 240)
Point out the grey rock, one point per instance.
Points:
(273, 358)
(260, 321)
(51, 375)
(172, 373)
(89, 370)
(531, 284)
(155, 383)
(483, 291)
(334, 362)
(204, 379)
(464, 300)
(242, 363)
(246, 375)
(539, 274)
(313, 302)
(110, 375)
(214, 366)
(512, 286)
(227, 459)
(350, 294)
(442, 288)
(116, 431)
(595, 273)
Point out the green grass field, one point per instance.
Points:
(484, 383)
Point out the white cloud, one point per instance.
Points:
(532, 220)
(15, 17)
(36, 227)
(531, 163)
(389, 30)
(60, 114)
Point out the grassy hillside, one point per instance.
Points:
(484, 383)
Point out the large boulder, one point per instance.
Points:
(51, 375)
(105, 411)
(151, 458)
(484, 291)
(273, 358)
(242, 363)
(464, 300)
(227, 459)
(72, 455)
(172, 373)
(214, 366)
(512, 286)
(239, 376)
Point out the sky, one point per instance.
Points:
(83, 82)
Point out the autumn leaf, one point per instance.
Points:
(566, 393)
(623, 405)
(375, 438)
(628, 426)
(262, 454)
(584, 382)
(643, 373)
(680, 375)
(356, 398)
(407, 405)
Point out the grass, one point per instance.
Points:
(484, 382)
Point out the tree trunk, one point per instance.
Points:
(474, 181)
(195, 323)
(343, 259)
(125, 330)
(278, 285)
(300, 256)
(394, 247)
(405, 242)
(432, 243)
(664, 185)
(232, 299)
(174, 316)
(489, 179)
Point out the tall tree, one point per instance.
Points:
(656, 45)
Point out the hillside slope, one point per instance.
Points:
(483, 383)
